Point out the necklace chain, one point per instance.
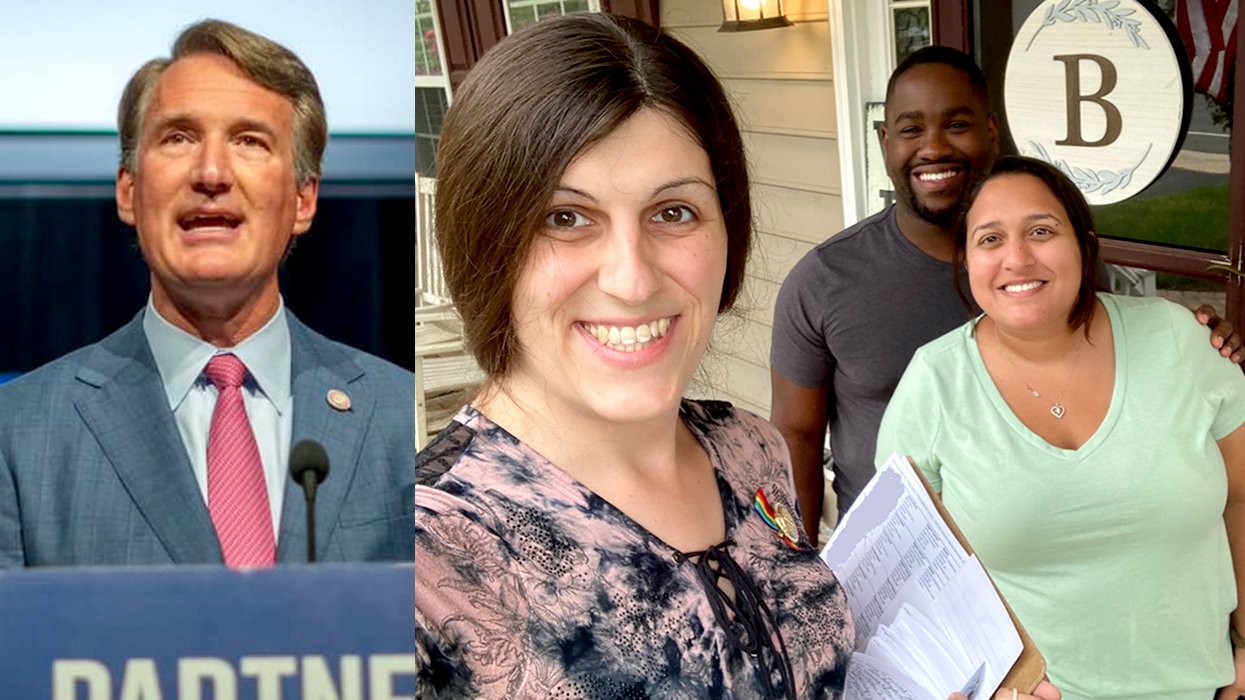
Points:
(1057, 409)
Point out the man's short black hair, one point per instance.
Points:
(947, 56)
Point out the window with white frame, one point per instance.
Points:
(432, 87)
(520, 13)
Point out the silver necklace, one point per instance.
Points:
(1057, 408)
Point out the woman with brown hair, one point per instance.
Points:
(582, 530)
(592, 532)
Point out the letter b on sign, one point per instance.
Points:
(1072, 79)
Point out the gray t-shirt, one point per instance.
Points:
(849, 317)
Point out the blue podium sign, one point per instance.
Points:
(191, 633)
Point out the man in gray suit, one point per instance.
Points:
(167, 442)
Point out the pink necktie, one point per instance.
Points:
(237, 495)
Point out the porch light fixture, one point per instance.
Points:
(747, 15)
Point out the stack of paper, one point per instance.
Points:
(928, 620)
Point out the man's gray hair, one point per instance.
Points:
(265, 61)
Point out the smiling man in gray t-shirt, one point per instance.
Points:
(836, 356)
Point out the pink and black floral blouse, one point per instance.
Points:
(528, 585)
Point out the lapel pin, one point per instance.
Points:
(338, 399)
(779, 519)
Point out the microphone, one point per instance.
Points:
(309, 465)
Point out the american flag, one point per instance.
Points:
(1208, 28)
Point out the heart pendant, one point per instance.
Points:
(1057, 410)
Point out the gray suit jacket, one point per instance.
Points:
(93, 470)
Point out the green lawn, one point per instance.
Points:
(1196, 218)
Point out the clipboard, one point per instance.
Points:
(1030, 666)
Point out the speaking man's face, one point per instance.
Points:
(213, 196)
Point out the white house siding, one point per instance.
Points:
(782, 85)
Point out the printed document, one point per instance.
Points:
(928, 620)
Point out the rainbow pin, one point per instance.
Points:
(779, 520)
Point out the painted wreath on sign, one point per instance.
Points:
(1087, 180)
(1103, 12)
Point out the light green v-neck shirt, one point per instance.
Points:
(1114, 556)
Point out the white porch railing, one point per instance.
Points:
(430, 279)
(445, 373)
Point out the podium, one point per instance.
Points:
(324, 632)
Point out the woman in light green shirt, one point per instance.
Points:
(1090, 447)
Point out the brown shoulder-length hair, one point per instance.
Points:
(533, 102)
(1079, 215)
